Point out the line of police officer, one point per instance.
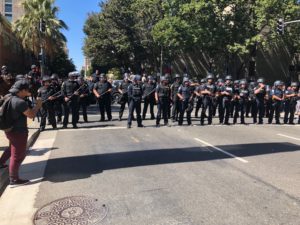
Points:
(228, 98)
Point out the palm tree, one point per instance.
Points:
(27, 27)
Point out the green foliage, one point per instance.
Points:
(116, 73)
(61, 64)
(132, 32)
(27, 27)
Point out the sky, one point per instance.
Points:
(74, 14)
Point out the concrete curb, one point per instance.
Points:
(4, 178)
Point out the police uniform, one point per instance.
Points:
(164, 93)
(290, 104)
(44, 93)
(235, 105)
(69, 88)
(124, 98)
(58, 102)
(219, 100)
(186, 92)
(243, 100)
(135, 94)
(207, 101)
(83, 100)
(276, 105)
(176, 103)
(260, 103)
(226, 102)
(149, 99)
(102, 88)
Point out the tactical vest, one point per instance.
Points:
(148, 88)
(124, 86)
(70, 87)
(244, 93)
(261, 94)
(175, 88)
(186, 92)
(163, 91)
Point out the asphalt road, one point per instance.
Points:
(187, 175)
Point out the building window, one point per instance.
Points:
(8, 8)
(8, 1)
(8, 17)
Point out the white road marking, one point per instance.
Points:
(93, 128)
(135, 139)
(282, 135)
(17, 205)
(221, 150)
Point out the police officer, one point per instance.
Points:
(135, 94)
(46, 93)
(242, 100)
(277, 100)
(102, 91)
(123, 89)
(219, 99)
(199, 96)
(34, 80)
(185, 95)
(291, 97)
(58, 102)
(176, 103)
(149, 97)
(208, 92)
(83, 98)
(251, 105)
(163, 98)
(227, 93)
(260, 92)
(235, 100)
(71, 97)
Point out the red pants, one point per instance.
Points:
(16, 152)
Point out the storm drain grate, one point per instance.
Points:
(77, 210)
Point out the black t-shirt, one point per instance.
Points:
(18, 107)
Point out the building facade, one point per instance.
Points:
(12, 54)
(11, 9)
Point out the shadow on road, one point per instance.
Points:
(81, 167)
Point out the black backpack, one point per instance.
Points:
(6, 120)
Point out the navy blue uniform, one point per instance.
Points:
(149, 99)
(124, 98)
(207, 101)
(176, 103)
(68, 89)
(187, 95)
(84, 101)
(105, 100)
(135, 93)
(226, 102)
(48, 106)
(290, 106)
(260, 105)
(276, 106)
(242, 103)
(163, 104)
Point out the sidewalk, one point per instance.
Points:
(33, 127)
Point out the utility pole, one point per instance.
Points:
(42, 29)
(161, 60)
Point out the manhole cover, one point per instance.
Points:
(71, 210)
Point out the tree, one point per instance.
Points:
(61, 64)
(27, 27)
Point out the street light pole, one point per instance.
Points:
(42, 53)
(161, 60)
